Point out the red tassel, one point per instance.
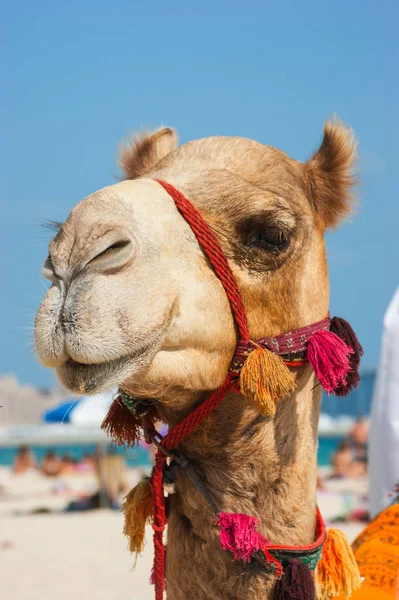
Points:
(296, 583)
(121, 426)
(238, 534)
(343, 330)
(329, 357)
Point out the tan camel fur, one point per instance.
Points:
(135, 303)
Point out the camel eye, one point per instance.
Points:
(261, 234)
(271, 239)
(113, 248)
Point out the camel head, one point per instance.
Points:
(133, 300)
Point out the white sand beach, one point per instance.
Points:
(65, 556)
(60, 556)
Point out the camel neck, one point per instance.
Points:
(256, 465)
(249, 464)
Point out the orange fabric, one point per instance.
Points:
(377, 554)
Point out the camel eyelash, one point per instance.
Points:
(256, 232)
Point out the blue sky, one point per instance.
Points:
(79, 76)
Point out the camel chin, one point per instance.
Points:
(92, 379)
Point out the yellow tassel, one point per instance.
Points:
(337, 571)
(265, 379)
(138, 510)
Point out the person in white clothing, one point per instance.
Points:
(384, 431)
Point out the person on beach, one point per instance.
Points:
(24, 461)
(68, 465)
(350, 460)
(110, 472)
(342, 461)
(376, 549)
(51, 465)
(86, 465)
(357, 441)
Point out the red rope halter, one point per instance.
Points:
(214, 253)
(216, 257)
(169, 442)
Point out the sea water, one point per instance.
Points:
(138, 457)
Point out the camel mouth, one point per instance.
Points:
(83, 378)
(93, 378)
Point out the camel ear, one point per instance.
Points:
(330, 174)
(144, 151)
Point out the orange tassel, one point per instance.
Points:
(138, 510)
(337, 571)
(265, 379)
(121, 426)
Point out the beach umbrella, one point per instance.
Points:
(86, 411)
(90, 411)
(60, 413)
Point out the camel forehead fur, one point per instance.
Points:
(327, 177)
(206, 165)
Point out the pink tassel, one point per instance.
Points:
(344, 331)
(238, 534)
(329, 357)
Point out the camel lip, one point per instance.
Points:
(70, 362)
(93, 378)
(83, 378)
(137, 354)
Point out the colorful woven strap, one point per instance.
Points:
(308, 555)
(286, 345)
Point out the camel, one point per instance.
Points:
(134, 303)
